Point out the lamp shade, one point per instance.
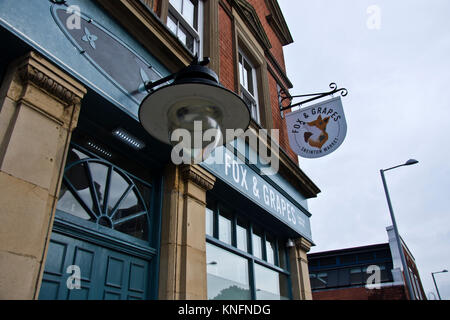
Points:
(411, 162)
(194, 96)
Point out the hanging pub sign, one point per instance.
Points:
(317, 130)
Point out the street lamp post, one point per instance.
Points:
(397, 236)
(434, 280)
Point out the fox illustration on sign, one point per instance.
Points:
(317, 130)
(317, 135)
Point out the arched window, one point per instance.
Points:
(97, 191)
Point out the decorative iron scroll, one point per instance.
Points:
(283, 96)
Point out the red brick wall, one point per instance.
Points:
(277, 51)
(277, 48)
(227, 68)
(385, 293)
(278, 122)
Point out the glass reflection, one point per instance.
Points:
(177, 4)
(172, 24)
(282, 254)
(189, 12)
(128, 206)
(136, 227)
(69, 204)
(270, 285)
(241, 237)
(257, 243)
(227, 275)
(131, 217)
(117, 189)
(209, 222)
(78, 178)
(145, 191)
(225, 228)
(75, 153)
(270, 250)
(99, 173)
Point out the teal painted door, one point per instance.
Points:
(105, 274)
(104, 240)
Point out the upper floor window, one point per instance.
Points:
(249, 91)
(184, 20)
(347, 276)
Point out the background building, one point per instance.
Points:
(347, 274)
(86, 191)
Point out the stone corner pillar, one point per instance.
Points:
(39, 109)
(183, 238)
(301, 285)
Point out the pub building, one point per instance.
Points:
(92, 205)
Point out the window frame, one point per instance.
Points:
(113, 239)
(216, 208)
(181, 21)
(385, 267)
(245, 93)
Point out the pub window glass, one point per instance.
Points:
(209, 222)
(227, 275)
(270, 285)
(241, 235)
(225, 227)
(257, 243)
(270, 249)
(282, 254)
(235, 253)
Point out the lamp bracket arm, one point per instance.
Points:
(149, 85)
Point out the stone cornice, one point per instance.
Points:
(250, 16)
(278, 70)
(278, 23)
(36, 70)
(303, 244)
(150, 31)
(198, 176)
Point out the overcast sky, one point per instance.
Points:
(398, 107)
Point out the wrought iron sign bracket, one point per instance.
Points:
(283, 96)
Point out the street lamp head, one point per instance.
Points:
(411, 162)
(445, 270)
(197, 104)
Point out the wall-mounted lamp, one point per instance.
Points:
(194, 97)
(290, 243)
